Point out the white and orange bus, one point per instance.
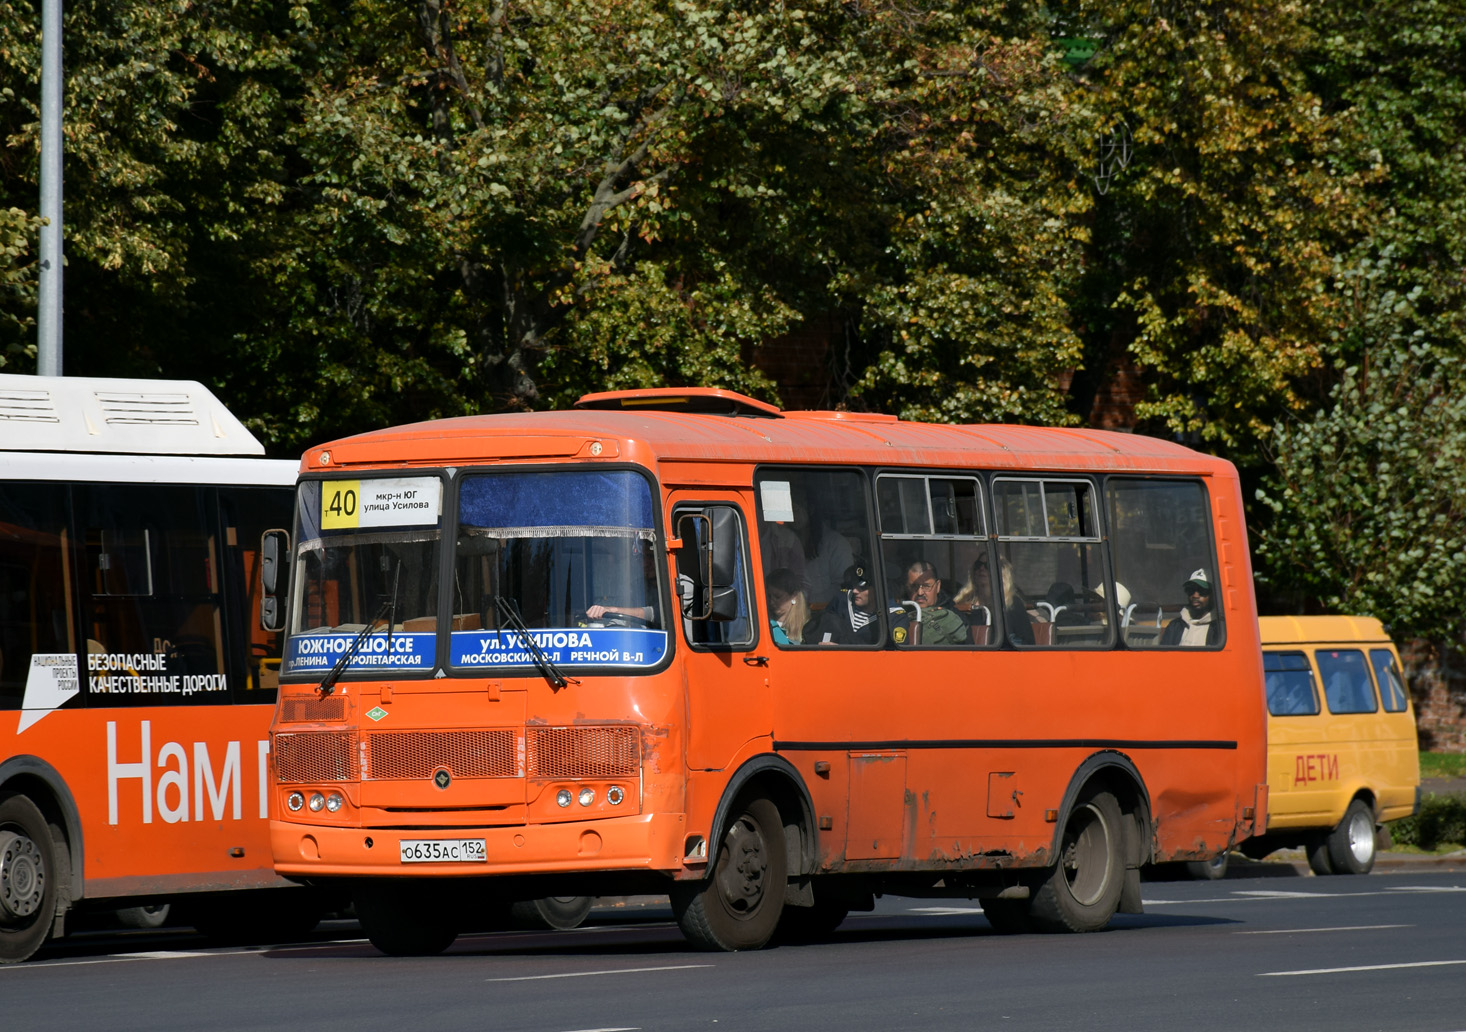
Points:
(136, 686)
(768, 663)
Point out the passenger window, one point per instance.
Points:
(151, 602)
(814, 535)
(1346, 683)
(932, 537)
(1049, 546)
(1161, 547)
(1290, 690)
(1391, 684)
(36, 625)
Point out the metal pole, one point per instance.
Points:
(48, 316)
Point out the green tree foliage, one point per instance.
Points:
(1369, 494)
(1212, 243)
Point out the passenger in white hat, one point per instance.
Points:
(1197, 625)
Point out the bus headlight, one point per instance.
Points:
(587, 796)
(316, 802)
(615, 794)
(334, 802)
(295, 801)
(563, 797)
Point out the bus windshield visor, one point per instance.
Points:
(366, 559)
(573, 555)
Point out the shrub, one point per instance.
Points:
(1441, 821)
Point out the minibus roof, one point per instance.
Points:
(1320, 630)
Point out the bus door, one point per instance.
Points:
(726, 658)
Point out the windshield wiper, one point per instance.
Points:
(513, 619)
(388, 608)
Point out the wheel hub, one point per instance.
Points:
(22, 877)
(743, 881)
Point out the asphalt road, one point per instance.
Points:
(1386, 951)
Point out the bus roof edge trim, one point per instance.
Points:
(702, 400)
(124, 416)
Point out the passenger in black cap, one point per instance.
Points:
(851, 618)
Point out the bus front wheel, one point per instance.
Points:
(28, 876)
(1083, 891)
(737, 907)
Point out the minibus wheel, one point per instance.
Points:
(559, 913)
(28, 876)
(1351, 844)
(737, 906)
(1083, 890)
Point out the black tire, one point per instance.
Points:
(1319, 861)
(1352, 844)
(29, 876)
(1007, 916)
(405, 918)
(154, 915)
(812, 924)
(738, 905)
(1083, 890)
(560, 913)
(1208, 870)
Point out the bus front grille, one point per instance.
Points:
(310, 708)
(409, 755)
(312, 756)
(605, 751)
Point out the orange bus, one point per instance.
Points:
(136, 687)
(769, 663)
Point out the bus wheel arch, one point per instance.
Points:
(760, 840)
(1100, 841)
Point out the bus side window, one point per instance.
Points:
(1290, 690)
(152, 595)
(1160, 537)
(247, 513)
(1391, 685)
(35, 570)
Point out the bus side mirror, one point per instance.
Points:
(274, 578)
(723, 559)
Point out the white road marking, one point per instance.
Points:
(1338, 928)
(1254, 896)
(945, 911)
(1366, 967)
(588, 974)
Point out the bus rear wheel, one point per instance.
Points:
(559, 913)
(737, 907)
(405, 919)
(1083, 891)
(1351, 844)
(28, 875)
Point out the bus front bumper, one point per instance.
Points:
(645, 842)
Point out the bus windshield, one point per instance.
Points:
(570, 553)
(367, 554)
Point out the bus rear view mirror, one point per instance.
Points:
(708, 559)
(274, 578)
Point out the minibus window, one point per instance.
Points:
(1391, 685)
(1346, 682)
(1290, 691)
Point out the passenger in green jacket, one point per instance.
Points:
(939, 623)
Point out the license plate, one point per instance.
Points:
(432, 851)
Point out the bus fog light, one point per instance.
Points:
(563, 797)
(587, 796)
(295, 801)
(334, 802)
(316, 802)
(615, 794)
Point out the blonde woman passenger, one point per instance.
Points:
(788, 608)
